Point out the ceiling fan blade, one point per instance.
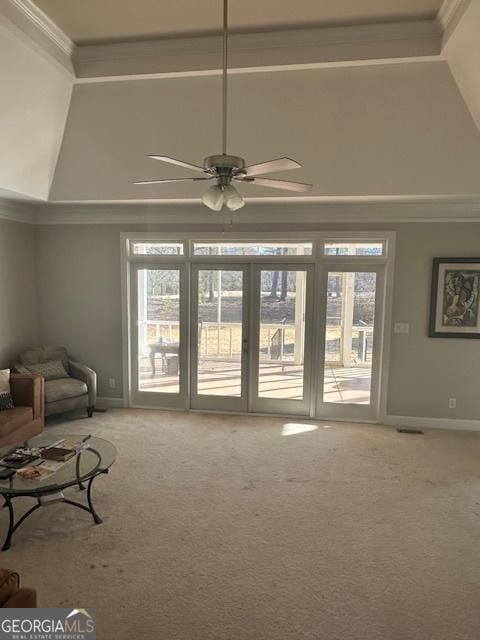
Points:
(179, 163)
(280, 164)
(172, 180)
(278, 184)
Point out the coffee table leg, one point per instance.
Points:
(95, 515)
(90, 508)
(8, 539)
(80, 485)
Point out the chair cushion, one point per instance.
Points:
(64, 388)
(52, 370)
(43, 354)
(8, 585)
(13, 419)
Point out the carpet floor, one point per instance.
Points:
(243, 528)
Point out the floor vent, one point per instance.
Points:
(411, 431)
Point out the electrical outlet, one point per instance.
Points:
(401, 327)
(452, 403)
(112, 383)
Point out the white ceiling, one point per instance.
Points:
(99, 21)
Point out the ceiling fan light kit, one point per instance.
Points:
(225, 168)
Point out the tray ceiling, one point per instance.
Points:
(94, 21)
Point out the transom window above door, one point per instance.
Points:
(264, 249)
(348, 248)
(318, 246)
(144, 248)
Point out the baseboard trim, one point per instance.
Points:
(110, 403)
(390, 420)
(432, 423)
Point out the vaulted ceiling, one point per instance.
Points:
(100, 21)
(361, 92)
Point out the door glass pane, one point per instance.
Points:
(220, 332)
(349, 337)
(159, 330)
(282, 334)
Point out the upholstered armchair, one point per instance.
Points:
(12, 595)
(69, 385)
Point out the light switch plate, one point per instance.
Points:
(401, 327)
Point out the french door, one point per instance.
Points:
(219, 331)
(281, 348)
(249, 346)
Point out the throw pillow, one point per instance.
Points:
(52, 370)
(6, 401)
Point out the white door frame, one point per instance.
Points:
(319, 258)
(159, 399)
(351, 411)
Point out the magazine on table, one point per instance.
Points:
(18, 459)
(40, 463)
(40, 471)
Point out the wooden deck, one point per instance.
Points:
(283, 381)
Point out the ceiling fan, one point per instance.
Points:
(224, 168)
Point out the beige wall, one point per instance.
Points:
(35, 96)
(80, 307)
(425, 372)
(80, 296)
(462, 52)
(18, 292)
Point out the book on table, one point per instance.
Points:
(58, 454)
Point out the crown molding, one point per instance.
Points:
(28, 21)
(249, 51)
(44, 24)
(449, 16)
(17, 211)
(292, 213)
(267, 49)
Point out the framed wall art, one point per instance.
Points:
(455, 311)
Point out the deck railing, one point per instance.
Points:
(223, 341)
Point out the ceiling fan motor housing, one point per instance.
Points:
(225, 165)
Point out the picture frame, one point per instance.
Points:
(455, 298)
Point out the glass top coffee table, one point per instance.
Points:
(84, 467)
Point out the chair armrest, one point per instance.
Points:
(25, 598)
(87, 375)
(9, 585)
(19, 368)
(29, 391)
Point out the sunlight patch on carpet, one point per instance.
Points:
(294, 428)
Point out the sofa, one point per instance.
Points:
(27, 417)
(74, 388)
(12, 595)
